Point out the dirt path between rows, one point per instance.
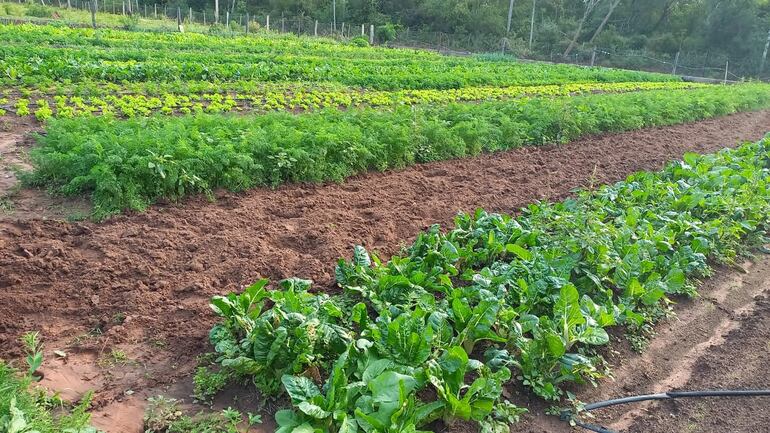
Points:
(718, 340)
(128, 299)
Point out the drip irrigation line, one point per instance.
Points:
(570, 417)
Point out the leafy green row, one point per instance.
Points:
(132, 163)
(298, 97)
(39, 55)
(462, 313)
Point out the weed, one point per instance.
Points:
(90, 335)
(253, 419)
(158, 342)
(77, 216)
(209, 383)
(115, 357)
(164, 415)
(6, 205)
(161, 413)
(639, 334)
(28, 408)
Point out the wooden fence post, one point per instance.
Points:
(727, 66)
(676, 63)
(156, 11)
(532, 24)
(267, 23)
(764, 56)
(315, 31)
(190, 19)
(362, 29)
(247, 23)
(593, 56)
(371, 34)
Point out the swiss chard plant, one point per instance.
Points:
(436, 334)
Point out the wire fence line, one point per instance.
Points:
(683, 63)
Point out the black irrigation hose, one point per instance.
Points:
(568, 416)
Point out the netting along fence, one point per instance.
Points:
(685, 63)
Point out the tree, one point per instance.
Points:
(599, 29)
(664, 15)
(510, 15)
(589, 7)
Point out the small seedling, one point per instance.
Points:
(254, 418)
(119, 318)
(34, 348)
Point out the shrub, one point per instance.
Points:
(129, 22)
(39, 11)
(386, 33)
(360, 41)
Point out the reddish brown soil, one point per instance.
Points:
(740, 362)
(718, 340)
(138, 285)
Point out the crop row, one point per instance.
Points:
(295, 97)
(128, 164)
(264, 43)
(40, 55)
(439, 331)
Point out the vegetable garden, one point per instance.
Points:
(434, 336)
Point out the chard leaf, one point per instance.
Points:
(299, 388)
(555, 345)
(426, 412)
(348, 425)
(361, 257)
(520, 252)
(385, 387)
(594, 335)
(675, 280)
(375, 368)
(304, 428)
(313, 410)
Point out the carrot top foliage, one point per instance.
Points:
(129, 164)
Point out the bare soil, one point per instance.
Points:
(127, 299)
